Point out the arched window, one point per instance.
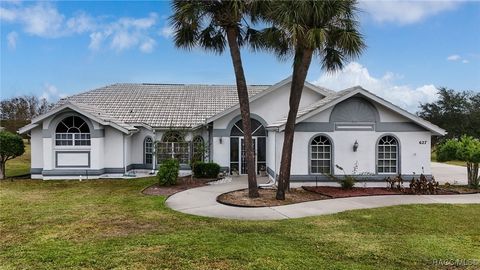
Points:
(321, 155)
(72, 130)
(387, 155)
(257, 128)
(198, 149)
(148, 147)
(173, 145)
(172, 136)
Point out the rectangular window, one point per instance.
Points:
(64, 139)
(82, 138)
(320, 159)
(234, 154)
(387, 159)
(77, 139)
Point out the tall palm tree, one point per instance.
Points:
(304, 30)
(212, 25)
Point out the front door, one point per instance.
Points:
(243, 156)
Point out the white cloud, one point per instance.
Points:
(12, 38)
(80, 23)
(148, 45)
(51, 93)
(404, 96)
(453, 57)
(126, 33)
(405, 12)
(96, 39)
(7, 15)
(44, 20)
(456, 57)
(166, 31)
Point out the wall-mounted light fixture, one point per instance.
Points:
(220, 140)
(355, 146)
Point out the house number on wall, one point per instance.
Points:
(422, 142)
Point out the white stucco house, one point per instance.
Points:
(120, 128)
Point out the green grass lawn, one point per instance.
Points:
(105, 224)
(19, 165)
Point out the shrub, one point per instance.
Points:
(466, 149)
(395, 183)
(11, 146)
(206, 170)
(423, 186)
(168, 172)
(447, 150)
(347, 182)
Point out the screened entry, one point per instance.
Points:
(238, 161)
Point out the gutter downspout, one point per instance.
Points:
(125, 152)
(154, 153)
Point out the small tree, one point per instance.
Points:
(168, 172)
(11, 146)
(466, 149)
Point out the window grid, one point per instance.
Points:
(387, 160)
(69, 139)
(148, 150)
(198, 149)
(320, 155)
(176, 150)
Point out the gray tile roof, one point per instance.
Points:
(159, 105)
(102, 115)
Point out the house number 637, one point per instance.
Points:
(422, 142)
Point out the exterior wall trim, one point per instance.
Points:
(72, 152)
(349, 126)
(363, 178)
(379, 127)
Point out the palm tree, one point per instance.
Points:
(212, 25)
(305, 29)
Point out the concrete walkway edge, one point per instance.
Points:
(201, 201)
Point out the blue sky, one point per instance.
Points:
(53, 49)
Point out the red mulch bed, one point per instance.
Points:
(338, 192)
(183, 183)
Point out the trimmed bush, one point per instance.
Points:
(347, 182)
(206, 170)
(168, 172)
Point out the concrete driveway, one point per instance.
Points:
(202, 202)
(449, 173)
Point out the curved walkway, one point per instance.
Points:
(201, 201)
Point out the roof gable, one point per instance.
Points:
(93, 113)
(340, 96)
(320, 90)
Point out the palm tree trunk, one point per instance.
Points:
(302, 61)
(242, 90)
